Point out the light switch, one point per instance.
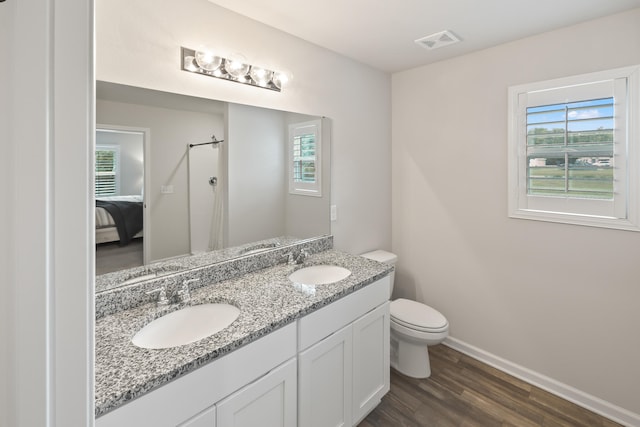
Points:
(166, 189)
(334, 213)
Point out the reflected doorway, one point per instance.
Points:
(120, 206)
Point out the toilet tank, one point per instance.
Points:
(386, 258)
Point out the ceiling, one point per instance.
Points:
(381, 33)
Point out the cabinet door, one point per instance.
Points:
(269, 401)
(370, 361)
(206, 418)
(324, 382)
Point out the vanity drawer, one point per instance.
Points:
(325, 321)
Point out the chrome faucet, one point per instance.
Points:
(184, 294)
(162, 301)
(289, 257)
(302, 256)
(293, 259)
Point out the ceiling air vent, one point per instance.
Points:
(437, 40)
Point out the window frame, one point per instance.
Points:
(623, 212)
(299, 187)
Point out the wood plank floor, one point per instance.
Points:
(465, 392)
(111, 257)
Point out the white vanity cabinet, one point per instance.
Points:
(268, 402)
(325, 382)
(193, 400)
(343, 358)
(206, 418)
(371, 370)
(330, 368)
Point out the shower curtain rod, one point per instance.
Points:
(214, 141)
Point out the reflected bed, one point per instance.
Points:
(118, 219)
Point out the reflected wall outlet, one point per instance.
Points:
(334, 213)
(166, 189)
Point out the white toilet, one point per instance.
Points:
(414, 326)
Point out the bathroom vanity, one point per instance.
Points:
(298, 354)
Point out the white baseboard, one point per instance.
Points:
(580, 398)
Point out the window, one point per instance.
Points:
(305, 158)
(107, 178)
(574, 150)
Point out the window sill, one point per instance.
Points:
(574, 219)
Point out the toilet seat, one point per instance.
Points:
(417, 316)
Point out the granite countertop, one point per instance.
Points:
(115, 279)
(267, 301)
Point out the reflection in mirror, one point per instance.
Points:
(206, 224)
(210, 196)
(119, 191)
(152, 271)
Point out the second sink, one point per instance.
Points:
(186, 325)
(319, 275)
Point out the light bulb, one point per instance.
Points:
(207, 60)
(260, 76)
(237, 66)
(281, 78)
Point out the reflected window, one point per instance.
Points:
(106, 177)
(305, 159)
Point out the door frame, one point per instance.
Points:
(146, 151)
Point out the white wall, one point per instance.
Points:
(46, 243)
(560, 300)
(142, 48)
(170, 132)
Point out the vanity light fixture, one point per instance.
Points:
(234, 68)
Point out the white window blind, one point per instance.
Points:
(570, 149)
(305, 147)
(573, 150)
(304, 158)
(106, 174)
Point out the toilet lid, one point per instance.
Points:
(415, 315)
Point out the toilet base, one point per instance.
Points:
(410, 359)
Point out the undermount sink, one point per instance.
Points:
(319, 275)
(186, 325)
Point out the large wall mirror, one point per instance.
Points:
(175, 192)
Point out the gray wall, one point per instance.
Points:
(7, 315)
(559, 300)
(307, 216)
(203, 163)
(256, 171)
